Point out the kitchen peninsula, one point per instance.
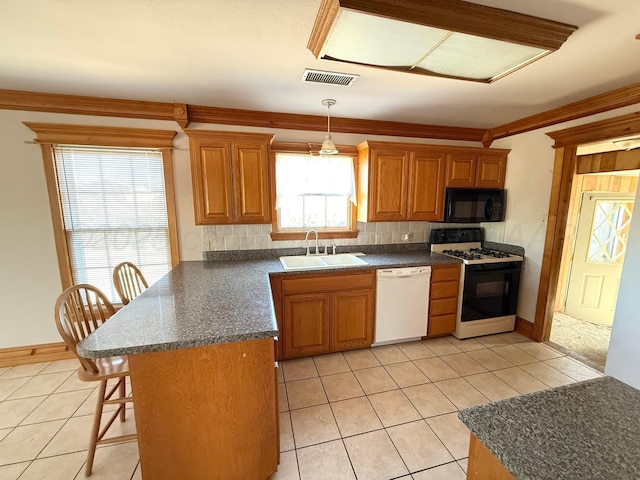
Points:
(587, 430)
(200, 344)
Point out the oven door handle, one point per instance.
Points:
(496, 270)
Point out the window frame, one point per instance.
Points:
(305, 149)
(48, 135)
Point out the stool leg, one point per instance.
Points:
(123, 394)
(95, 429)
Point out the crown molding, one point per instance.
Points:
(185, 114)
(608, 129)
(621, 97)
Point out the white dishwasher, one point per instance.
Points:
(402, 304)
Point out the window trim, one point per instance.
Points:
(50, 134)
(306, 148)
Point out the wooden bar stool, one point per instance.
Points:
(129, 281)
(80, 310)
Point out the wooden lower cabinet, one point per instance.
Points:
(306, 324)
(352, 314)
(322, 313)
(443, 303)
(197, 408)
(483, 464)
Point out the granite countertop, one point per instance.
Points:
(587, 430)
(205, 303)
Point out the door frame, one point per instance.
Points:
(563, 188)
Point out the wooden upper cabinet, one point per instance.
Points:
(491, 169)
(229, 173)
(426, 188)
(213, 172)
(250, 181)
(399, 182)
(461, 170)
(388, 185)
(477, 169)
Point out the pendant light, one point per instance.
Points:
(328, 147)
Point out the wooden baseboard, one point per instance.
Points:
(44, 352)
(523, 327)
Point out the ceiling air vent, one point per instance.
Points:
(328, 78)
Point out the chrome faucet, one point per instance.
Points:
(306, 238)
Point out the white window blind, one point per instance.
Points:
(114, 210)
(314, 191)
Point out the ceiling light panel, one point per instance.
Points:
(450, 38)
(478, 58)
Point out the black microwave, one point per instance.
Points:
(474, 205)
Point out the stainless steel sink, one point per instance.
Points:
(312, 262)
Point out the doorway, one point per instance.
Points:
(600, 213)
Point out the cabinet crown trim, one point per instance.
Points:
(223, 135)
(430, 146)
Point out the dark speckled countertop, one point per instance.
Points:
(206, 303)
(584, 431)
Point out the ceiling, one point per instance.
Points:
(251, 54)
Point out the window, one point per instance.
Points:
(314, 192)
(110, 204)
(609, 232)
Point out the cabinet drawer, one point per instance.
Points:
(328, 283)
(445, 274)
(444, 289)
(442, 324)
(443, 306)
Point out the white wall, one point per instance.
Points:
(528, 185)
(623, 360)
(29, 275)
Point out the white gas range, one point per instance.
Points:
(489, 282)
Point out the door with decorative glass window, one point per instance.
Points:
(601, 240)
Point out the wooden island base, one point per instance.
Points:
(207, 413)
(483, 465)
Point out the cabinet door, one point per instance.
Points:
(211, 177)
(352, 319)
(426, 190)
(306, 325)
(461, 170)
(491, 170)
(250, 183)
(388, 171)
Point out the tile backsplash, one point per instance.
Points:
(218, 238)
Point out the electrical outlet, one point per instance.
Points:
(407, 237)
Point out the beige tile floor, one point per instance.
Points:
(381, 413)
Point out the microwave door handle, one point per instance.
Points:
(449, 210)
(488, 209)
(506, 288)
